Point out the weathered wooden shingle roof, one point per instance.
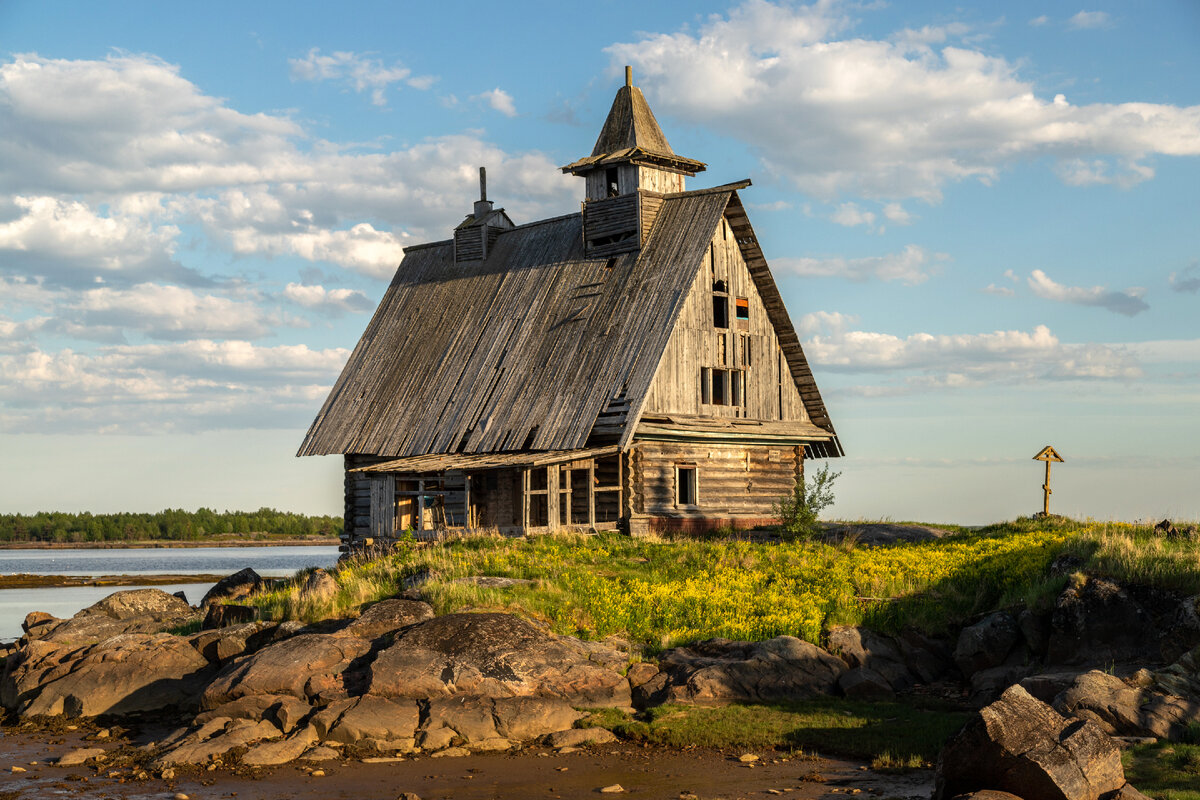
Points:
(523, 350)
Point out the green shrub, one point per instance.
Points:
(798, 511)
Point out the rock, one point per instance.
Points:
(77, 757)
(387, 616)
(319, 585)
(220, 644)
(255, 707)
(747, 758)
(437, 738)
(615, 788)
(281, 751)
(408, 745)
(371, 717)
(37, 619)
(221, 615)
(1035, 630)
(492, 581)
(494, 745)
(1020, 744)
(988, 684)
(288, 712)
(1122, 709)
(1046, 686)
(469, 717)
(1127, 792)
(987, 794)
(578, 737)
(927, 658)
(1182, 631)
(125, 674)
(720, 670)
(1181, 678)
(451, 752)
(308, 666)
(1098, 622)
(986, 644)
(860, 647)
(523, 718)
(237, 586)
(863, 683)
(200, 746)
(181, 594)
(140, 603)
(321, 753)
(496, 655)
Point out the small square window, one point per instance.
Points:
(742, 312)
(685, 486)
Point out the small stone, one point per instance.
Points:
(566, 751)
(180, 796)
(18, 769)
(103, 733)
(211, 768)
(562, 769)
(616, 788)
(747, 758)
(408, 796)
(77, 757)
(451, 752)
(382, 760)
(168, 774)
(774, 791)
(317, 773)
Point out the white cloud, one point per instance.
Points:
(850, 215)
(358, 70)
(968, 359)
(898, 214)
(332, 301)
(885, 119)
(498, 100)
(158, 388)
(912, 265)
(170, 312)
(1038, 22)
(1187, 280)
(361, 249)
(1128, 301)
(1086, 20)
(999, 291)
(826, 322)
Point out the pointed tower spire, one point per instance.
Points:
(631, 150)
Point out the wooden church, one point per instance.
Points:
(628, 366)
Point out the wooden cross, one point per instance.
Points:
(1047, 454)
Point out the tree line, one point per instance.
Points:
(172, 524)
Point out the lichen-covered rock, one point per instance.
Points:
(1123, 709)
(1099, 622)
(719, 670)
(200, 746)
(496, 655)
(237, 586)
(130, 611)
(388, 616)
(1020, 744)
(986, 644)
(125, 674)
(372, 717)
(309, 666)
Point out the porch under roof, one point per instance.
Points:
(481, 461)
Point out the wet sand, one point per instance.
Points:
(643, 772)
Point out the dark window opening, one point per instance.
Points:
(705, 385)
(720, 387)
(723, 387)
(742, 312)
(719, 286)
(720, 311)
(685, 486)
(611, 181)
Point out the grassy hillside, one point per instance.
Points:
(660, 593)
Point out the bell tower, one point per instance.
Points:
(631, 167)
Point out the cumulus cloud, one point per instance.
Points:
(898, 214)
(968, 359)
(361, 249)
(1186, 280)
(170, 312)
(850, 215)
(912, 265)
(359, 71)
(329, 301)
(498, 100)
(888, 119)
(1086, 20)
(1128, 301)
(1039, 21)
(159, 388)
(999, 291)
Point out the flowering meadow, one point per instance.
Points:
(660, 593)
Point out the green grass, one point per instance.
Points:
(896, 735)
(1164, 771)
(659, 593)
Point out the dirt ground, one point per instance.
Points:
(642, 772)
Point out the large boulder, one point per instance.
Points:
(130, 611)
(125, 674)
(861, 648)
(140, 603)
(986, 644)
(1123, 708)
(309, 666)
(388, 616)
(497, 655)
(1098, 622)
(1021, 745)
(237, 586)
(719, 671)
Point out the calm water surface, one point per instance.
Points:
(63, 601)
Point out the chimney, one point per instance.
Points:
(483, 206)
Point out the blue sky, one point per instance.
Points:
(983, 220)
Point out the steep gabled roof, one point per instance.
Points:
(524, 349)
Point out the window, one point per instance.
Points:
(742, 312)
(723, 387)
(611, 181)
(685, 486)
(744, 348)
(705, 385)
(720, 305)
(720, 387)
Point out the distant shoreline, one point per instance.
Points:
(30, 581)
(331, 541)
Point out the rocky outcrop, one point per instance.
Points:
(720, 671)
(986, 644)
(237, 586)
(125, 674)
(1098, 622)
(882, 665)
(131, 611)
(388, 616)
(497, 655)
(1019, 744)
(309, 666)
(1128, 707)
